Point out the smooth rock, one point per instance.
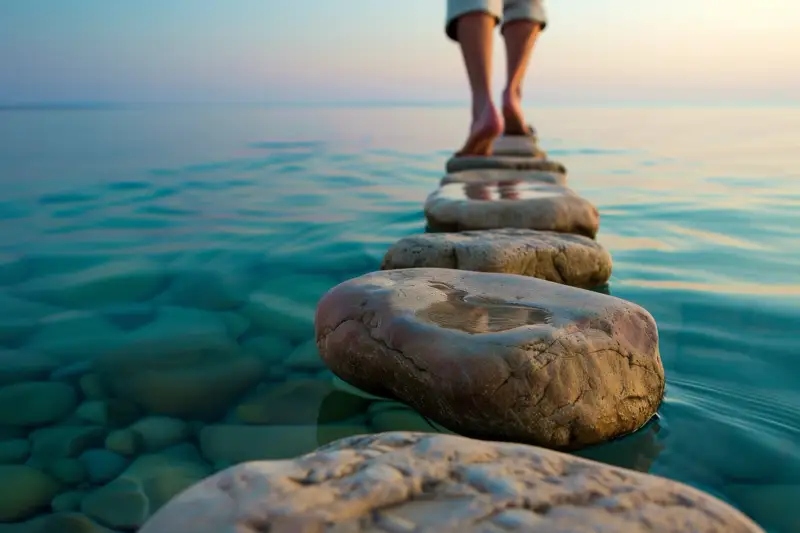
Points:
(146, 485)
(71, 371)
(188, 381)
(120, 504)
(113, 282)
(497, 162)
(110, 412)
(269, 347)
(182, 330)
(36, 403)
(280, 315)
(558, 257)
(21, 365)
(57, 442)
(497, 356)
(14, 451)
(305, 357)
(510, 204)
(102, 465)
(434, 483)
(208, 290)
(478, 177)
(92, 387)
(67, 471)
(299, 402)
(62, 522)
(124, 442)
(67, 501)
(76, 336)
(24, 491)
(159, 432)
(227, 443)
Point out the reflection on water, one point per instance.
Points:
(158, 288)
(499, 190)
(480, 314)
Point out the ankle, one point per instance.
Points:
(512, 92)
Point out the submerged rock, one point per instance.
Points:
(21, 365)
(192, 380)
(146, 485)
(559, 257)
(14, 451)
(113, 282)
(58, 442)
(510, 204)
(299, 402)
(24, 490)
(36, 403)
(497, 356)
(228, 443)
(434, 483)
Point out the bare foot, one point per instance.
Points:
(484, 130)
(512, 114)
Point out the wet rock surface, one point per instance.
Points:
(510, 204)
(503, 162)
(416, 482)
(562, 258)
(496, 356)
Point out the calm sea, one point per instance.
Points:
(220, 226)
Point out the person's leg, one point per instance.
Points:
(472, 23)
(524, 20)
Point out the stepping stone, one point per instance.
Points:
(496, 356)
(510, 204)
(404, 481)
(518, 145)
(498, 162)
(490, 176)
(559, 257)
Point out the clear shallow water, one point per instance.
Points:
(171, 258)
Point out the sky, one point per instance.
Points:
(274, 51)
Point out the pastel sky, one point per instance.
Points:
(378, 50)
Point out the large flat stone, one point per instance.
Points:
(500, 162)
(441, 483)
(496, 356)
(510, 204)
(493, 176)
(559, 257)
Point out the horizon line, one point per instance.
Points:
(44, 105)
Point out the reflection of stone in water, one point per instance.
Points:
(504, 190)
(480, 314)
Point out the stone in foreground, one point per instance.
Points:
(510, 204)
(558, 257)
(398, 482)
(496, 356)
(493, 176)
(503, 162)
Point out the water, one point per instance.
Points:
(170, 258)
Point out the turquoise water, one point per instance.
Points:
(162, 264)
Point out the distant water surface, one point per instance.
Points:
(157, 225)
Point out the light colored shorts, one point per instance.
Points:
(502, 10)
